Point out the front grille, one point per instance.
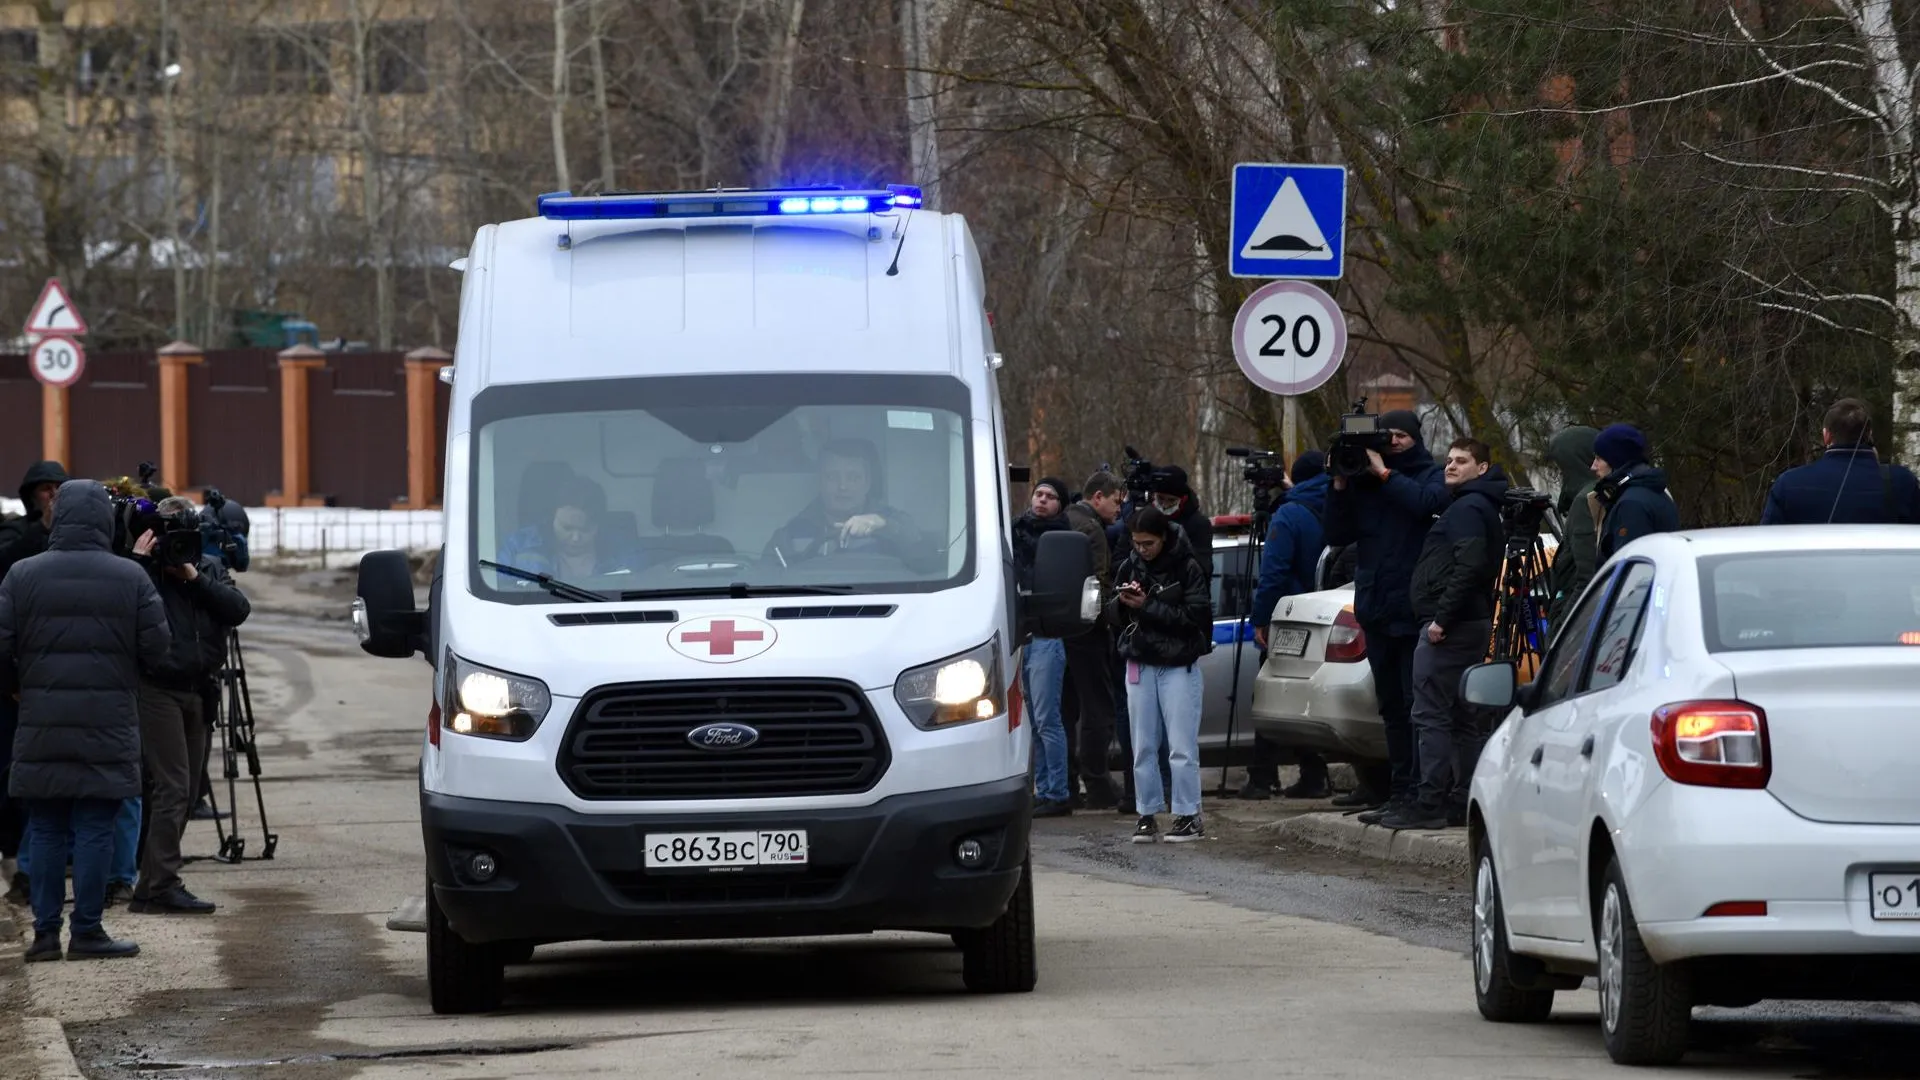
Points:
(643, 888)
(816, 738)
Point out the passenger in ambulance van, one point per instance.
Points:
(573, 544)
(851, 517)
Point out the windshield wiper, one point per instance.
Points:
(739, 590)
(552, 584)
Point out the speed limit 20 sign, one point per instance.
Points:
(1289, 337)
(58, 361)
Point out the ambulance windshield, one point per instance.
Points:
(693, 486)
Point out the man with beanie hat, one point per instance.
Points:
(1630, 501)
(1170, 492)
(1043, 664)
(1294, 542)
(1386, 514)
(1574, 561)
(21, 538)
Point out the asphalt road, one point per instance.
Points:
(1229, 958)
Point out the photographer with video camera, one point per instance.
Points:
(202, 605)
(1386, 491)
(1294, 542)
(1452, 594)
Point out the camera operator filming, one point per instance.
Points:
(1385, 494)
(202, 606)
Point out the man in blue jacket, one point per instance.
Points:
(1386, 513)
(1631, 499)
(1847, 485)
(1295, 540)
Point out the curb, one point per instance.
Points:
(1439, 850)
(47, 1042)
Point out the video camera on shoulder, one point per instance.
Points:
(223, 528)
(1360, 431)
(1139, 476)
(176, 538)
(1266, 471)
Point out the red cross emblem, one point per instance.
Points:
(722, 641)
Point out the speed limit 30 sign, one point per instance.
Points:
(1289, 337)
(57, 361)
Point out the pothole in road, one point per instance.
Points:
(461, 1051)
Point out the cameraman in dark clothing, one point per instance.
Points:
(1631, 499)
(1386, 513)
(1453, 585)
(202, 605)
(1848, 485)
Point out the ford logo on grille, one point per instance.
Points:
(723, 736)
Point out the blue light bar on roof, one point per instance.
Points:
(565, 206)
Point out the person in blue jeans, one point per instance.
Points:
(1044, 661)
(77, 625)
(124, 866)
(1163, 606)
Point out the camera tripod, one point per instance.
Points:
(233, 716)
(1519, 632)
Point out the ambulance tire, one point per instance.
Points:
(1000, 958)
(462, 977)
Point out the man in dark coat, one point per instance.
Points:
(1090, 653)
(1043, 663)
(1631, 499)
(1386, 514)
(20, 538)
(77, 624)
(201, 605)
(1574, 560)
(1847, 485)
(1453, 585)
(1174, 497)
(1295, 541)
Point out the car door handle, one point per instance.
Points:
(1538, 753)
(1586, 747)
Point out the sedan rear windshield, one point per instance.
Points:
(1811, 600)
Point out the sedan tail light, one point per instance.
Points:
(1713, 744)
(1346, 642)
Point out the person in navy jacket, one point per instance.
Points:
(1295, 540)
(1847, 485)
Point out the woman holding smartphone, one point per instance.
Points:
(1163, 608)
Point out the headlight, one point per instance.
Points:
(958, 690)
(492, 704)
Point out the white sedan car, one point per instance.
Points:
(1711, 795)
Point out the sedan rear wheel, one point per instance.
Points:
(1645, 1008)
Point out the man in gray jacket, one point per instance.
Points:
(77, 624)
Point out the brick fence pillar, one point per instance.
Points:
(296, 433)
(423, 430)
(56, 425)
(175, 464)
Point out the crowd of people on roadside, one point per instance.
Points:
(1423, 542)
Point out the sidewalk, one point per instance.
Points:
(1318, 823)
(306, 594)
(30, 1046)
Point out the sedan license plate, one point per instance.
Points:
(1894, 896)
(1288, 642)
(726, 850)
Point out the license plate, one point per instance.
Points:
(1288, 642)
(1894, 896)
(726, 850)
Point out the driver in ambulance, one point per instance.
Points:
(850, 516)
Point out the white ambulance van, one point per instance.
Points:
(726, 624)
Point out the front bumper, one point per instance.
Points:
(567, 876)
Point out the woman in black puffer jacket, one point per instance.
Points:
(1163, 607)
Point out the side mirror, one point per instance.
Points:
(1490, 686)
(1066, 596)
(384, 616)
(1019, 474)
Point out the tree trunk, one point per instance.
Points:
(1893, 94)
(597, 31)
(64, 228)
(557, 104)
(917, 25)
(773, 139)
(170, 159)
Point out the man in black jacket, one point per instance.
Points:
(1090, 653)
(201, 605)
(1631, 499)
(1043, 663)
(1385, 514)
(1452, 595)
(20, 538)
(1174, 497)
(77, 623)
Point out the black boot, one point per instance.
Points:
(46, 946)
(96, 945)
